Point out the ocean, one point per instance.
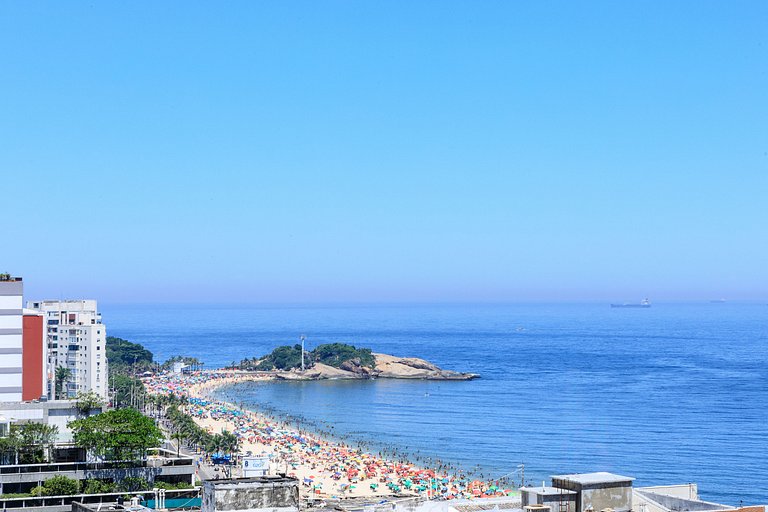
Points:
(675, 393)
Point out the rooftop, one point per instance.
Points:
(97, 507)
(489, 504)
(547, 491)
(600, 477)
(254, 480)
(64, 301)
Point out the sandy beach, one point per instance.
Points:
(325, 468)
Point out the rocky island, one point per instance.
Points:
(342, 361)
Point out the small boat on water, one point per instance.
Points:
(645, 303)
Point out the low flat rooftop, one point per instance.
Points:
(254, 480)
(547, 491)
(103, 507)
(600, 477)
(507, 503)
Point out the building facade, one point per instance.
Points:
(76, 340)
(11, 333)
(34, 356)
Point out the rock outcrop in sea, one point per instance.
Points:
(387, 367)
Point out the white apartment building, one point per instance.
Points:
(76, 339)
(11, 338)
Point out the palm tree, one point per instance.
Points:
(179, 434)
(229, 442)
(215, 444)
(198, 437)
(61, 377)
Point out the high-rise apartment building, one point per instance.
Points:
(11, 343)
(76, 340)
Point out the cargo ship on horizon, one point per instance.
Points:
(645, 303)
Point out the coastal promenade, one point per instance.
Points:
(326, 468)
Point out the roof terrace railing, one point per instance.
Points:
(91, 466)
(36, 503)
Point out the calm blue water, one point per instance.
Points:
(676, 393)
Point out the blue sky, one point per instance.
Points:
(385, 151)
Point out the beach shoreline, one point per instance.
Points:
(326, 466)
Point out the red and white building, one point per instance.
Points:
(22, 345)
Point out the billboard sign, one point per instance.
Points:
(255, 466)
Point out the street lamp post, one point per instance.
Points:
(302, 338)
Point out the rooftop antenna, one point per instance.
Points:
(302, 338)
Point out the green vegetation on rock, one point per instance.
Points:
(331, 354)
(336, 354)
(123, 353)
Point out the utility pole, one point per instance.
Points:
(302, 338)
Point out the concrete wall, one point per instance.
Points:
(265, 494)
(687, 491)
(668, 502)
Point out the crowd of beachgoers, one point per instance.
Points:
(326, 464)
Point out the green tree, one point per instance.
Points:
(31, 442)
(58, 485)
(119, 434)
(93, 486)
(85, 402)
(61, 376)
(9, 448)
(132, 484)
